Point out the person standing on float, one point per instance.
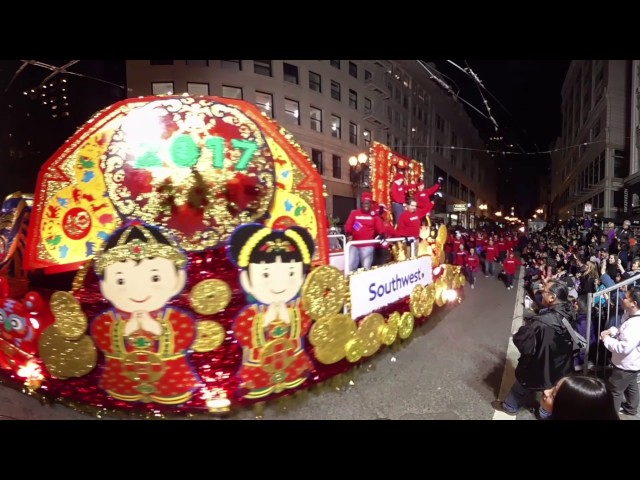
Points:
(423, 197)
(363, 224)
(398, 196)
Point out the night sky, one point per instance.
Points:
(524, 97)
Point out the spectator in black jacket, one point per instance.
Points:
(546, 350)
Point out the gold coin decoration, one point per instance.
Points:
(441, 286)
(66, 358)
(210, 336)
(329, 336)
(210, 296)
(324, 292)
(369, 332)
(415, 301)
(394, 319)
(70, 320)
(388, 333)
(429, 298)
(354, 349)
(406, 325)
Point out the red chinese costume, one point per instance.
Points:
(143, 366)
(273, 359)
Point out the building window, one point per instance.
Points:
(262, 67)
(234, 64)
(290, 73)
(439, 123)
(335, 63)
(335, 90)
(264, 101)
(353, 99)
(316, 158)
(160, 62)
(405, 100)
(197, 88)
(315, 82)
(335, 126)
(367, 138)
(316, 119)
(292, 111)
(162, 88)
(337, 166)
(367, 75)
(353, 133)
(367, 104)
(198, 63)
(232, 92)
(353, 70)
(454, 140)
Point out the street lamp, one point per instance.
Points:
(359, 173)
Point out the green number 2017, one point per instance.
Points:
(185, 153)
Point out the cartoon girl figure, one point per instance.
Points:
(144, 341)
(274, 264)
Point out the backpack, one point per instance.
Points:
(578, 341)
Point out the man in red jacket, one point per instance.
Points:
(363, 224)
(409, 222)
(422, 196)
(510, 264)
(471, 266)
(398, 196)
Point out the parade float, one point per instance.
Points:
(191, 233)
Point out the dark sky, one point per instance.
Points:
(524, 97)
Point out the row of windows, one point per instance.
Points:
(264, 101)
(291, 73)
(453, 187)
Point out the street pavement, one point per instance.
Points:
(450, 369)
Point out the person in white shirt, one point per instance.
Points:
(624, 345)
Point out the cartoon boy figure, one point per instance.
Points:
(274, 264)
(145, 343)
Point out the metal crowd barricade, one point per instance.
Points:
(347, 249)
(608, 313)
(337, 241)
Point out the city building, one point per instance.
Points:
(592, 161)
(38, 116)
(336, 108)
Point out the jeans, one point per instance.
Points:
(516, 397)
(396, 209)
(488, 267)
(508, 279)
(470, 274)
(360, 256)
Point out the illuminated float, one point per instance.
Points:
(192, 232)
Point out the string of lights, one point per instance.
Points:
(505, 152)
(486, 103)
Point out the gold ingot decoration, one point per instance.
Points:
(441, 287)
(406, 325)
(415, 301)
(425, 248)
(399, 251)
(324, 292)
(354, 349)
(458, 280)
(70, 320)
(441, 238)
(388, 333)
(210, 336)
(369, 332)
(66, 358)
(210, 296)
(329, 336)
(429, 298)
(394, 319)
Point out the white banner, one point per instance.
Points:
(373, 289)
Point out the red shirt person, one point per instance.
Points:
(509, 266)
(422, 196)
(363, 224)
(409, 222)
